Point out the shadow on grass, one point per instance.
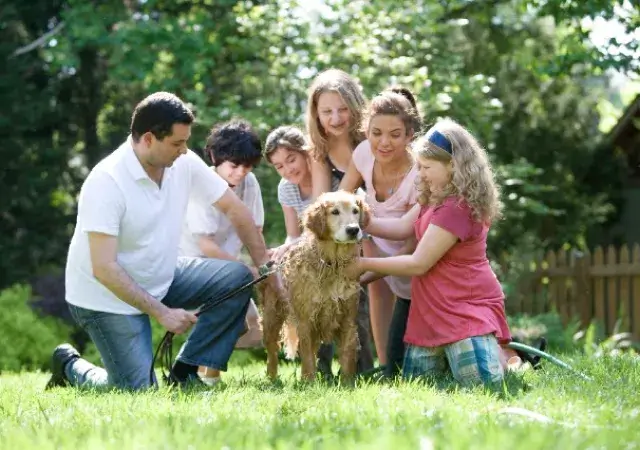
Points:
(513, 385)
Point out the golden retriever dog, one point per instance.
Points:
(321, 303)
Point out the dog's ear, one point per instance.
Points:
(315, 219)
(365, 213)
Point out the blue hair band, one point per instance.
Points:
(440, 140)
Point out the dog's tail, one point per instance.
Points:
(290, 340)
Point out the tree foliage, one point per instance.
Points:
(519, 73)
(36, 129)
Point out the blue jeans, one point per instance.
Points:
(124, 341)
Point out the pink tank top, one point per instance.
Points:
(396, 205)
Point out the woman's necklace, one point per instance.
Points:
(396, 180)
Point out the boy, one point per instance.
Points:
(234, 150)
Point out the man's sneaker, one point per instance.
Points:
(192, 382)
(62, 355)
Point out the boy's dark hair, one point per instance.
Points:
(158, 113)
(234, 141)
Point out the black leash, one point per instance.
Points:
(165, 348)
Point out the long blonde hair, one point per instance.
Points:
(473, 179)
(338, 81)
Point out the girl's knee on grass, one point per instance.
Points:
(476, 360)
(472, 361)
(423, 362)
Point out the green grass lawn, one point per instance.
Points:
(249, 412)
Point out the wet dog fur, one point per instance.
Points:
(320, 303)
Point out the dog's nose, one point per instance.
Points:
(352, 230)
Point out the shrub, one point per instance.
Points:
(594, 343)
(529, 329)
(27, 340)
(33, 325)
(49, 301)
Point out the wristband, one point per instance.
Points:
(266, 269)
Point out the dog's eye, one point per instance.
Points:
(335, 212)
(356, 211)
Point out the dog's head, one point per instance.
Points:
(337, 216)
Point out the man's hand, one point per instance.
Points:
(103, 249)
(254, 272)
(177, 320)
(276, 254)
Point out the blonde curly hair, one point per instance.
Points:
(338, 81)
(472, 178)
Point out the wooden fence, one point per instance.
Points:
(602, 286)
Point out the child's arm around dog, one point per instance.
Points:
(394, 228)
(434, 244)
(407, 249)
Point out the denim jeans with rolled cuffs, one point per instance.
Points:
(124, 341)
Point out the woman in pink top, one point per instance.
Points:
(385, 165)
(457, 309)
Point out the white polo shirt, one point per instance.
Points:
(118, 198)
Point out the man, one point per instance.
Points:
(123, 263)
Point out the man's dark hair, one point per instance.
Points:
(158, 113)
(234, 141)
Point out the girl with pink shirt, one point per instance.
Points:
(457, 310)
(385, 165)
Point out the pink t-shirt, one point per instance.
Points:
(396, 205)
(460, 296)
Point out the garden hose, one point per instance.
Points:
(527, 349)
(512, 345)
